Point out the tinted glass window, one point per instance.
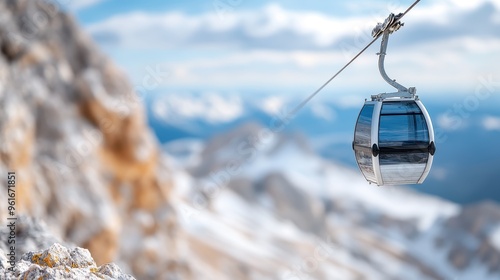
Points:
(405, 107)
(403, 130)
(402, 124)
(362, 135)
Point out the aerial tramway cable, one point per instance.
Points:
(388, 25)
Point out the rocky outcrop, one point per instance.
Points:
(59, 262)
(55, 261)
(30, 235)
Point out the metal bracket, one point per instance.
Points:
(391, 23)
(410, 94)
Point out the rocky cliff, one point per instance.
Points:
(73, 130)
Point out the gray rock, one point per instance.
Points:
(3, 264)
(59, 262)
(31, 235)
(113, 271)
(292, 203)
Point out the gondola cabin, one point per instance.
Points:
(394, 141)
(393, 138)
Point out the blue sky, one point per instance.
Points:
(94, 10)
(292, 47)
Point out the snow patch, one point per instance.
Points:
(495, 237)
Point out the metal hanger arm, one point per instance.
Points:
(381, 60)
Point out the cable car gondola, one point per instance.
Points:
(393, 138)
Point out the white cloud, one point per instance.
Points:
(273, 105)
(439, 51)
(423, 67)
(273, 27)
(349, 101)
(468, 5)
(324, 112)
(491, 123)
(209, 106)
(451, 122)
(439, 173)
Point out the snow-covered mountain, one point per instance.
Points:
(273, 209)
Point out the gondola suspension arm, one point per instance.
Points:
(381, 60)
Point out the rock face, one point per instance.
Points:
(59, 262)
(73, 130)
